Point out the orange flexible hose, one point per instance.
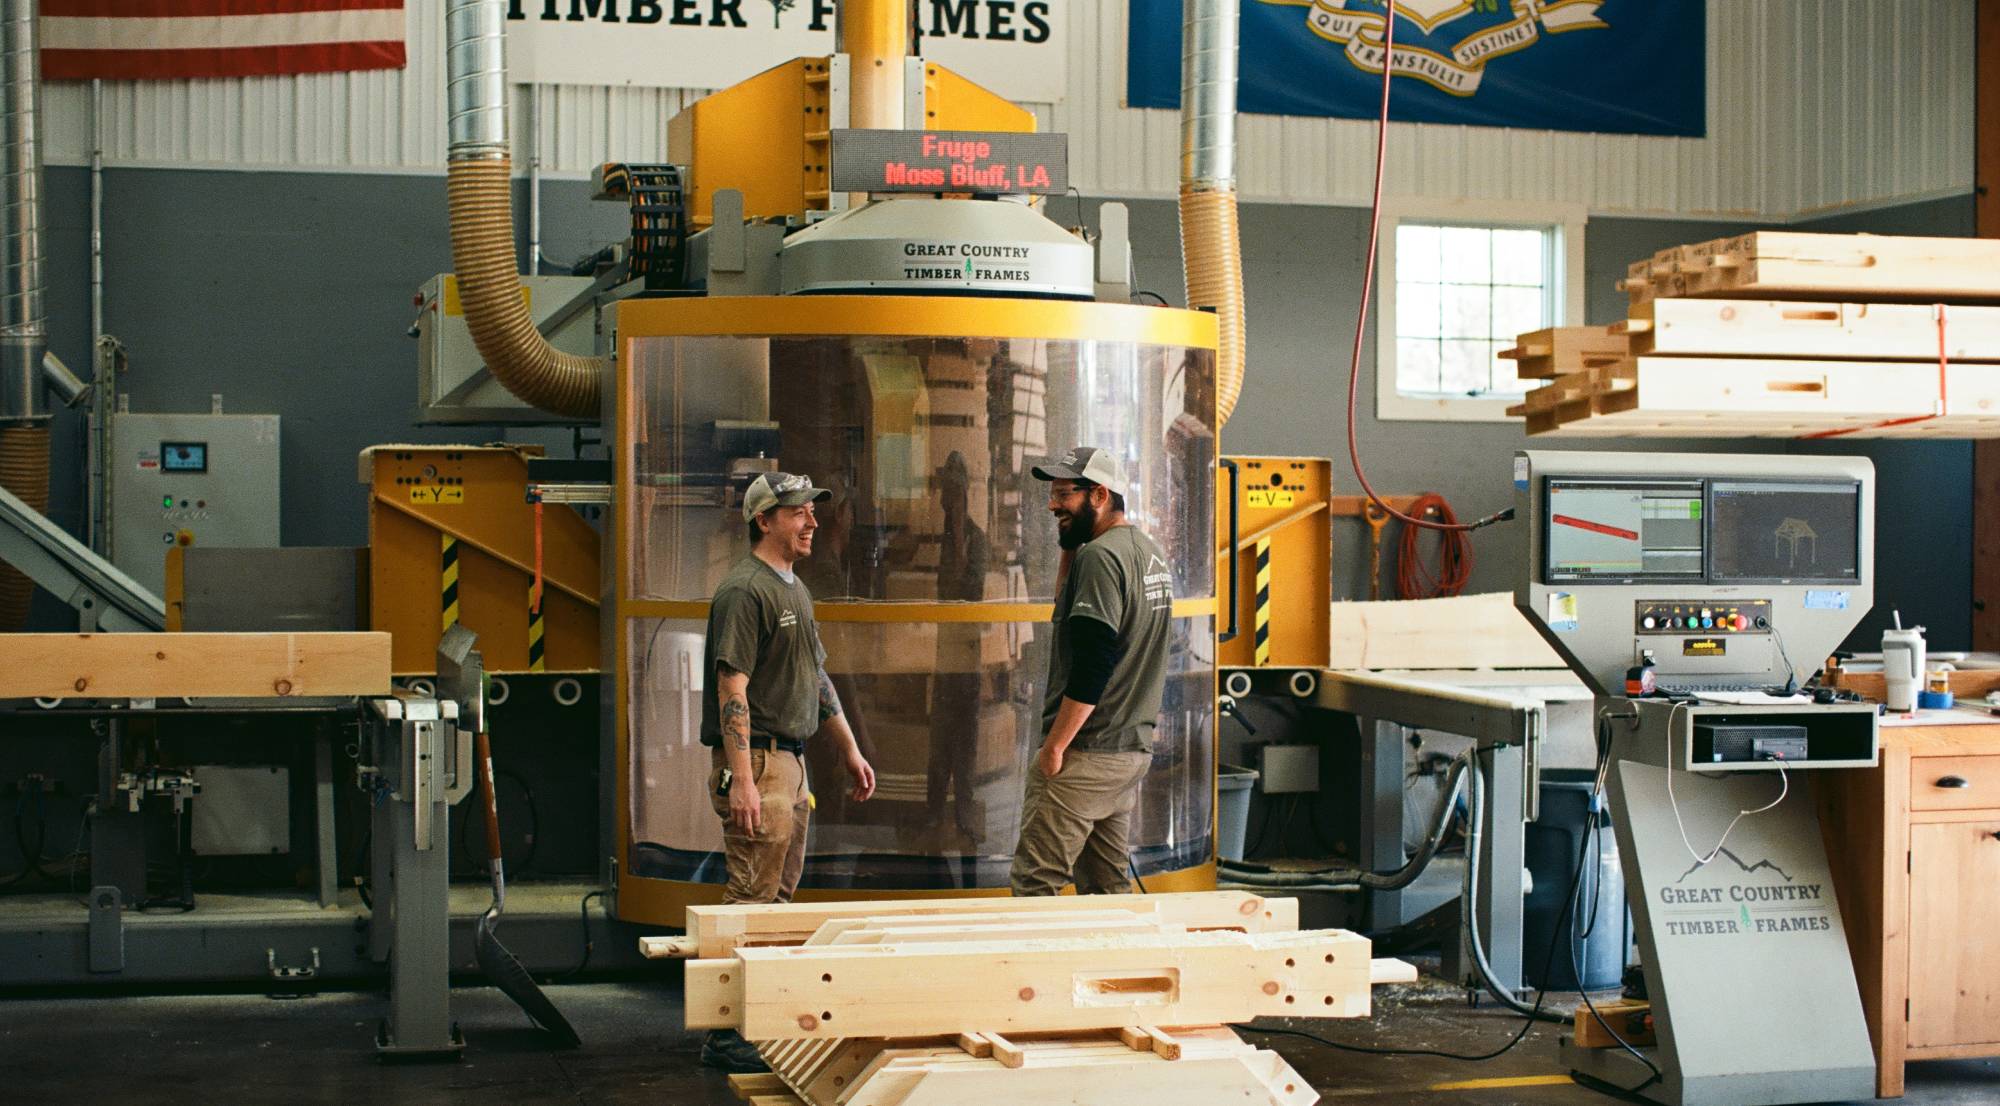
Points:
(480, 195)
(1212, 253)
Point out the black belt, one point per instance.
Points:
(782, 744)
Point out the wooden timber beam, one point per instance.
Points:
(825, 991)
(159, 666)
(713, 931)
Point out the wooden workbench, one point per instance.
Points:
(1915, 849)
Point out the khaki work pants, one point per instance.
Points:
(765, 866)
(1081, 820)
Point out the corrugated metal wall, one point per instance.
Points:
(1813, 105)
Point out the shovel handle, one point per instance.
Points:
(483, 751)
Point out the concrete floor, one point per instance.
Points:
(218, 1049)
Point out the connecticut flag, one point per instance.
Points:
(172, 39)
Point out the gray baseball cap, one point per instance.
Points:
(1085, 463)
(780, 489)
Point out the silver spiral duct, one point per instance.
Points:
(23, 325)
(1208, 93)
(475, 36)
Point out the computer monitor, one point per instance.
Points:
(1599, 530)
(1770, 530)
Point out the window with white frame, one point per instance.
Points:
(1458, 283)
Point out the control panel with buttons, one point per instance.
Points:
(1680, 616)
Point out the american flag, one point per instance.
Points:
(176, 39)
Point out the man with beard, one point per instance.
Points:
(1107, 672)
(772, 693)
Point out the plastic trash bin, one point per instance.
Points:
(1232, 809)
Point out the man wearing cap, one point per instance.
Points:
(772, 694)
(1107, 673)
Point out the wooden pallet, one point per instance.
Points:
(1788, 264)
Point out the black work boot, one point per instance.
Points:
(726, 1050)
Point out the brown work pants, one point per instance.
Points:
(1079, 821)
(765, 866)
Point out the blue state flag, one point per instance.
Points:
(1617, 66)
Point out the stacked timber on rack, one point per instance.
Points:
(1103, 999)
(1778, 334)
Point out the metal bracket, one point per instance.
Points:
(107, 930)
(284, 974)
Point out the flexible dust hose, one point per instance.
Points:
(24, 471)
(1447, 804)
(479, 191)
(480, 194)
(1212, 253)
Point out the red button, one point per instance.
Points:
(1742, 622)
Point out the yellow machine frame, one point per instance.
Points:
(1283, 547)
(768, 136)
(664, 902)
(451, 538)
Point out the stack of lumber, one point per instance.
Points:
(1101, 999)
(1779, 334)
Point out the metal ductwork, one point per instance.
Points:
(1211, 250)
(23, 326)
(24, 340)
(479, 190)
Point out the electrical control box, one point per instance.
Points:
(208, 479)
(453, 385)
(1288, 769)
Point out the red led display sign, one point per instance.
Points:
(991, 163)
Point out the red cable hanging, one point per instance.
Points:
(1414, 578)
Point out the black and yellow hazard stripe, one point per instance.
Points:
(448, 583)
(1263, 638)
(535, 661)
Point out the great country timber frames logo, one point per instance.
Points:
(1502, 27)
(1744, 904)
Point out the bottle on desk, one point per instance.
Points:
(1902, 665)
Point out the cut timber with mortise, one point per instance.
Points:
(821, 991)
(1767, 328)
(714, 931)
(160, 666)
(1787, 264)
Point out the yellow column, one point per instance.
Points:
(875, 36)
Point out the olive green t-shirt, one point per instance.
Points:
(761, 625)
(1119, 578)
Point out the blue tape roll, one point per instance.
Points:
(1934, 700)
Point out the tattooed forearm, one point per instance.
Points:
(829, 699)
(736, 722)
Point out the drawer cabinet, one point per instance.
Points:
(1915, 849)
